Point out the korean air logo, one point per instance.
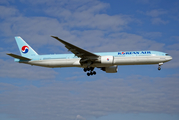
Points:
(25, 49)
(107, 59)
(134, 52)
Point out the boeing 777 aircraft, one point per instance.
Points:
(106, 61)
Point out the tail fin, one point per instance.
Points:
(24, 48)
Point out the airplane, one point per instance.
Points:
(106, 61)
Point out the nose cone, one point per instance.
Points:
(168, 58)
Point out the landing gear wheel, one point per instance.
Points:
(88, 69)
(159, 68)
(91, 68)
(94, 73)
(84, 69)
(91, 73)
(88, 74)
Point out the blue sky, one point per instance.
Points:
(135, 92)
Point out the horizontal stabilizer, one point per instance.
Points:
(17, 56)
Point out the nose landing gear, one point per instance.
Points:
(159, 68)
(91, 71)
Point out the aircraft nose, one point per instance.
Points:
(169, 58)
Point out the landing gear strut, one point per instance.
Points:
(90, 69)
(159, 68)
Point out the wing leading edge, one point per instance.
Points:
(79, 52)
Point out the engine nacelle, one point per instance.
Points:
(107, 60)
(111, 69)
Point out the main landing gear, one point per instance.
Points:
(91, 72)
(159, 68)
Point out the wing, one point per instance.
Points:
(77, 51)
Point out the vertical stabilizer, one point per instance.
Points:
(24, 48)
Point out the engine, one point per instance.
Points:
(107, 60)
(111, 69)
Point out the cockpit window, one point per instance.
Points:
(167, 54)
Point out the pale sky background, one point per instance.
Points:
(134, 93)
